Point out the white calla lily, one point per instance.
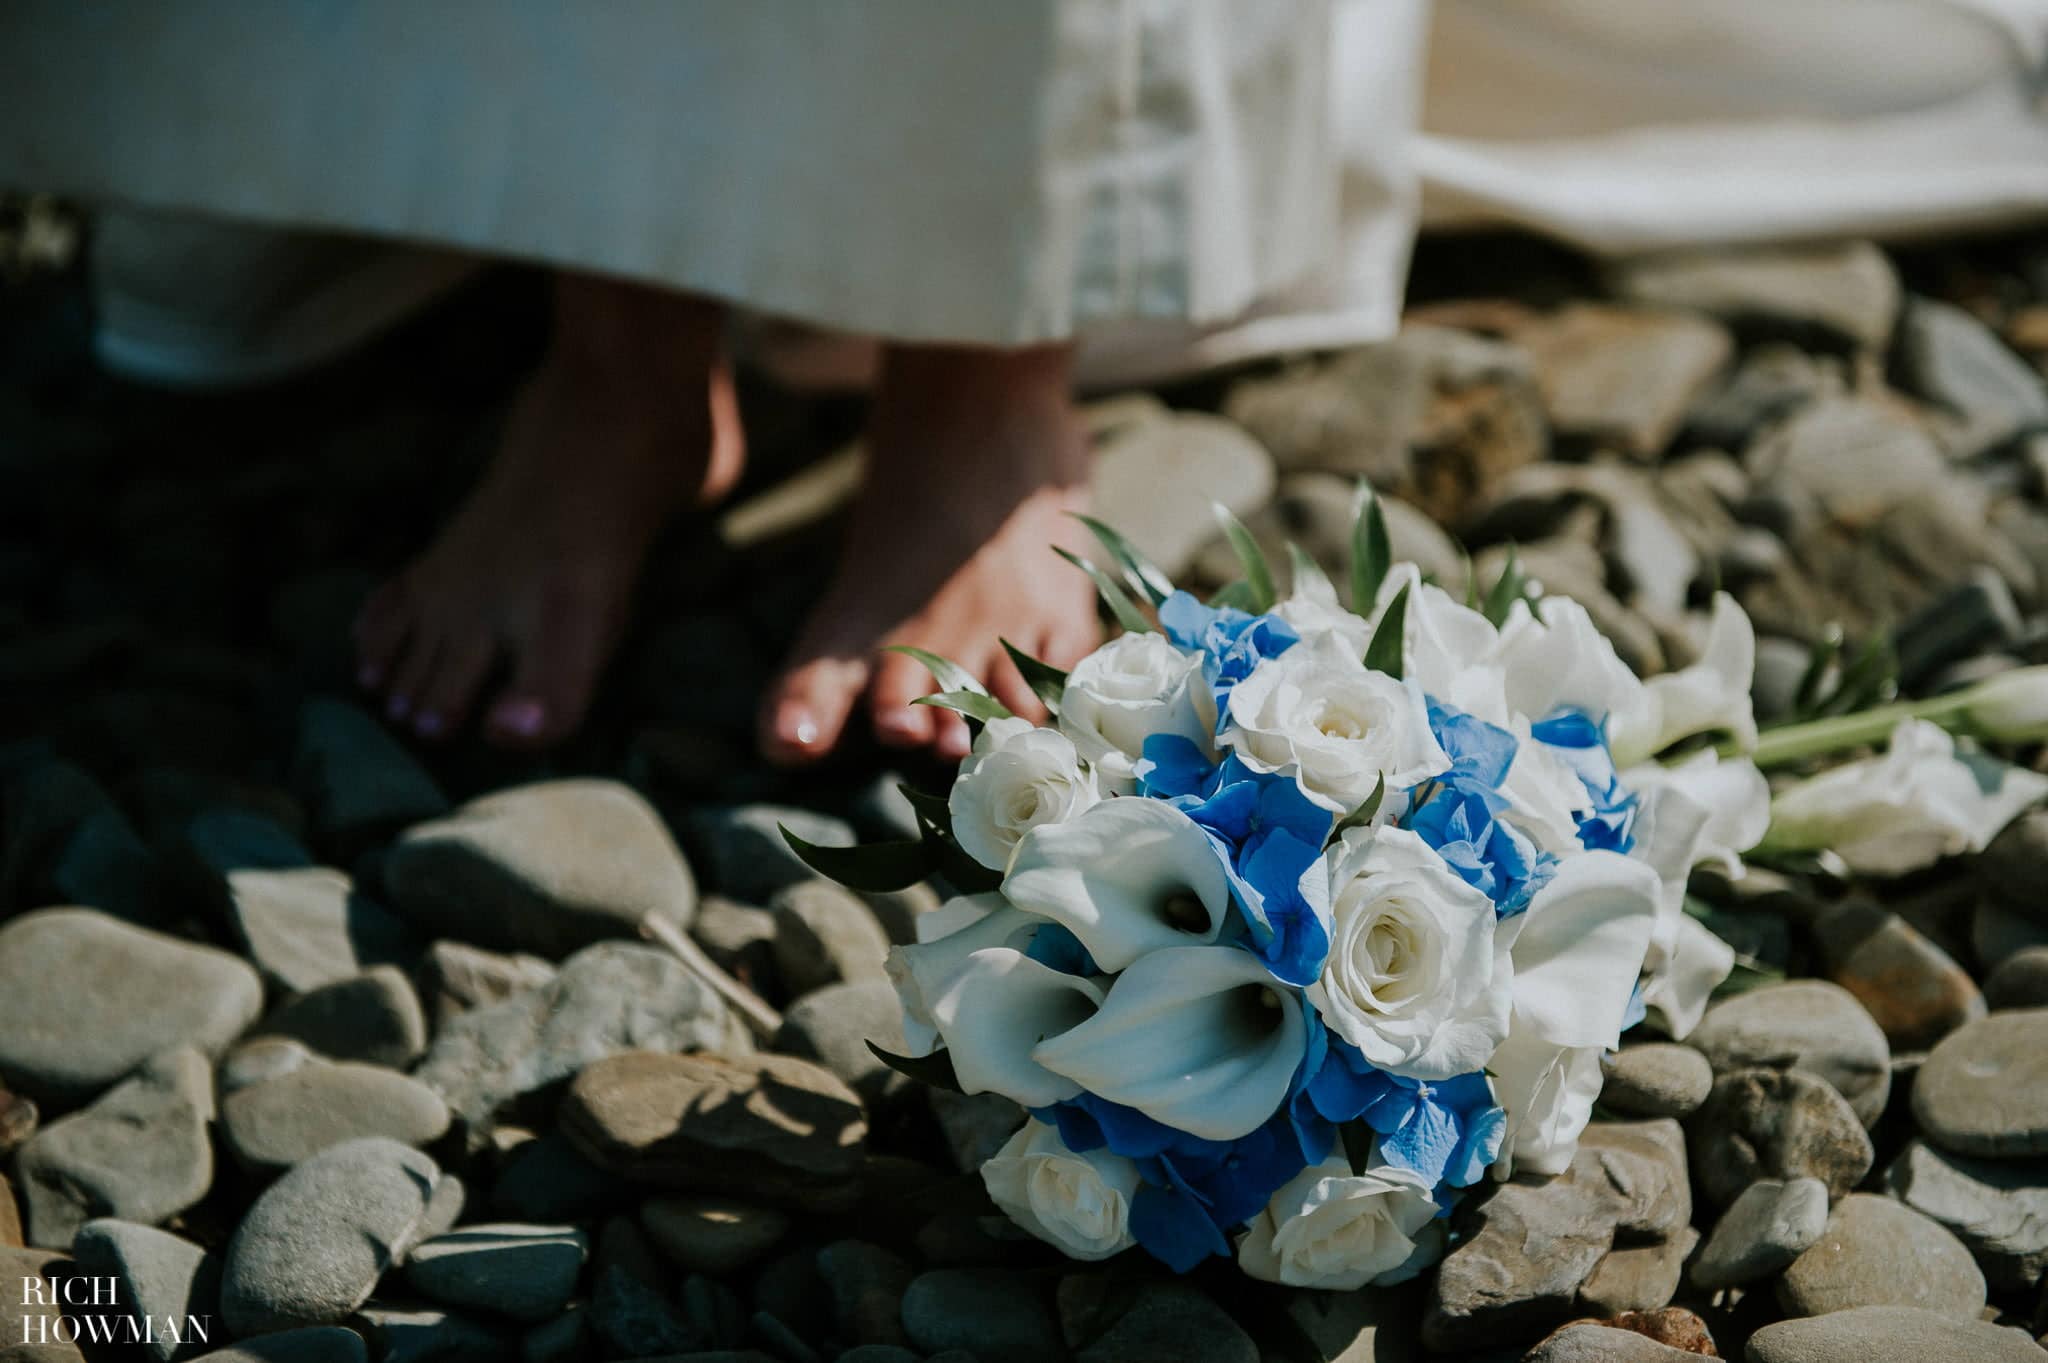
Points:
(1734, 794)
(1710, 696)
(1557, 657)
(1080, 1203)
(1134, 687)
(1202, 1038)
(1548, 1092)
(1580, 948)
(1018, 777)
(1126, 876)
(947, 936)
(1917, 803)
(996, 1008)
(1678, 987)
(1542, 792)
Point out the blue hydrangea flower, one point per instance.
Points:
(1230, 641)
(1608, 823)
(1446, 1130)
(1459, 813)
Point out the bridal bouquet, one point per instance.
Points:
(1296, 923)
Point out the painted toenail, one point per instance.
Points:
(806, 731)
(398, 707)
(522, 717)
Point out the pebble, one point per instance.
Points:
(1953, 360)
(1656, 1079)
(525, 1272)
(1623, 377)
(1850, 459)
(565, 1339)
(1637, 1277)
(357, 780)
(85, 998)
(1156, 478)
(1591, 1343)
(994, 1314)
(307, 927)
(975, 1125)
(1911, 988)
(1845, 289)
(784, 1129)
(834, 1025)
(229, 839)
(320, 1344)
(261, 1059)
(711, 1234)
(866, 1283)
(1889, 1334)
(1807, 1025)
(160, 1277)
(1999, 931)
(314, 1245)
(374, 1017)
(740, 939)
(2019, 981)
(1772, 1223)
(22, 1316)
(2011, 865)
(1998, 1208)
(824, 934)
(455, 977)
(545, 1180)
(547, 868)
(1877, 1252)
(1775, 1124)
(1172, 1320)
(1521, 1266)
(1984, 1089)
(608, 998)
(276, 1123)
(742, 853)
(19, 1117)
(426, 1336)
(631, 1309)
(139, 1153)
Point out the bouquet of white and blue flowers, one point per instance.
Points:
(1297, 922)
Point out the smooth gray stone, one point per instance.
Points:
(356, 778)
(825, 934)
(2019, 981)
(314, 1245)
(140, 1153)
(1775, 1124)
(1913, 990)
(85, 998)
(632, 1305)
(162, 1278)
(1594, 1343)
(320, 1344)
(547, 1180)
(374, 1017)
(507, 1269)
(1889, 1334)
(707, 1233)
(1772, 1223)
(1656, 1079)
(261, 1059)
(1172, 1320)
(834, 1025)
(1998, 1208)
(279, 1122)
(305, 927)
(406, 1335)
(455, 977)
(2013, 865)
(866, 1283)
(1808, 1025)
(741, 851)
(1845, 289)
(548, 868)
(1950, 358)
(991, 1312)
(608, 998)
(1877, 1252)
(1984, 1089)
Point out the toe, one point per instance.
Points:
(412, 674)
(807, 708)
(899, 681)
(1069, 641)
(555, 669)
(951, 739)
(459, 669)
(1007, 685)
(380, 630)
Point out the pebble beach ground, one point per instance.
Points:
(351, 1048)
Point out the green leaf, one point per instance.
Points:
(1363, 815)
(928, 806)
(1372, 553)
(976, 705)
(1047, 682)
(1236, 595)
(1306, 569)
(1357, 1137)
(1471, 580)
(948, 674)
(1115, 597)
(1818, 661)
(935, 1069)
(1388, 650)
(1508, 588)
(1258, 573)
(1144, 576)
(875, 867)
(950, 860)
(1748, 974)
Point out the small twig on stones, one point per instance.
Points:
(763, 1021)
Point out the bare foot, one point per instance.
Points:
(630, 417)
(976, 457)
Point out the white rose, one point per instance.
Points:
(1123, 693)
(1078, 1203)
(1557, 658)
(1316, 713)
(1313, 609)
(1018, 777)
(1329, 1228)
(1451, 650)
(1418, 976)
(1710, 696)
(1907, 809)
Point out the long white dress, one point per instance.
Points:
(1176, 183)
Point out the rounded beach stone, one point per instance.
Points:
(1913, 990)
(277, 1123)
(992, 1313)
(1984, 1089)
(85, 998)
(1770, 1225)
(546, 868)
(161, 1277)
(1998, 1208)
(1808, 1025)
(825, 934)
(711, 1234)
(374, 1017)
(315, 1243)
(1660, 1079)
(1591, 1342)
(528, 1273)
(1876, 1252)
(2020, 981)
(1889, 1334)
(866, 1283)
(320, 1344)
(1775, 1124)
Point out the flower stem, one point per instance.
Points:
(1818, 737)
